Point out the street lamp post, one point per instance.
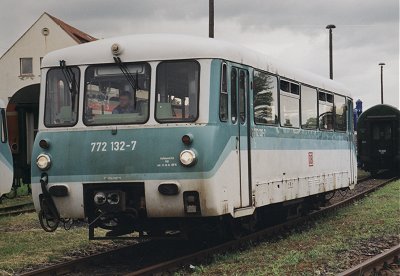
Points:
(211, 18)
(381, 65)
(330, 27)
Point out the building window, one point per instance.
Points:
(265, 98)
(26, 67)
(290, 106)
(308, 107)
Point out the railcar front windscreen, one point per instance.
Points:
(114, 97)
(62, 93)
(177, 91)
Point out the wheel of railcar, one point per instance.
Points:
(236, 229)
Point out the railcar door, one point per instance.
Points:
(381, 140)
(350, 129)
(240, 118)
(6, 166)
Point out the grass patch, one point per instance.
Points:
(326, 248)
(24, 244)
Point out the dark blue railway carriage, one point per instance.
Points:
(378, 139)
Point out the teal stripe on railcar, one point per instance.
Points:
(93, 152)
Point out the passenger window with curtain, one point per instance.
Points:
(114, 97)
(309, 107)
(62, 93)
(234, 79)
(340, 113)
(223, 96)
(265, 98)
(325, 107)
(289, 104)
(177, 91)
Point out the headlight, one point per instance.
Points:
(187, 157)
(43, 161)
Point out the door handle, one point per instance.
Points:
(237, 142)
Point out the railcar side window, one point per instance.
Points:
(62, 93)
(223, 97)
(350, 115)
(265, 98)
(3, 126)
(234, 79)
(242, 96)
(340, 113)
(113, 97)
(290, 100)
(308, 107)
(177, 91)
(325, 107)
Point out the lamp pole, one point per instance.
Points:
(330, 27)
(381, 65)
(211, 18)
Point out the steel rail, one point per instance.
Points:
(197, 256)
(17, 209)
(374, 263)
(171, 265)
(73, 265)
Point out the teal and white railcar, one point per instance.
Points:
(214, 132)
(6, 161)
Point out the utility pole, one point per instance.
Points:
(211, 18)
(330, 27)
(382, 64)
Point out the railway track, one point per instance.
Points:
(376, 264)
(17, 209)
(189, 256)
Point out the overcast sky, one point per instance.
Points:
(367, 31)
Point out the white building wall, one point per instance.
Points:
(33, 44)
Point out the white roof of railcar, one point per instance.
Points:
(151, 47)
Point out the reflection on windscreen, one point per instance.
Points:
(111, 99)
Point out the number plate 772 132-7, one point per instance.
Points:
(113, 146)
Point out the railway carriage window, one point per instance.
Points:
(223, 98)
(113, 97)
(340, 113)
(177, 91)
(233, 95)
(61, 104)
(265, 98)
(308, 107)
(375, 132)
(289, 104)
(325, 107)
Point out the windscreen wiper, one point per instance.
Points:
(129, 77)
(69, 76)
